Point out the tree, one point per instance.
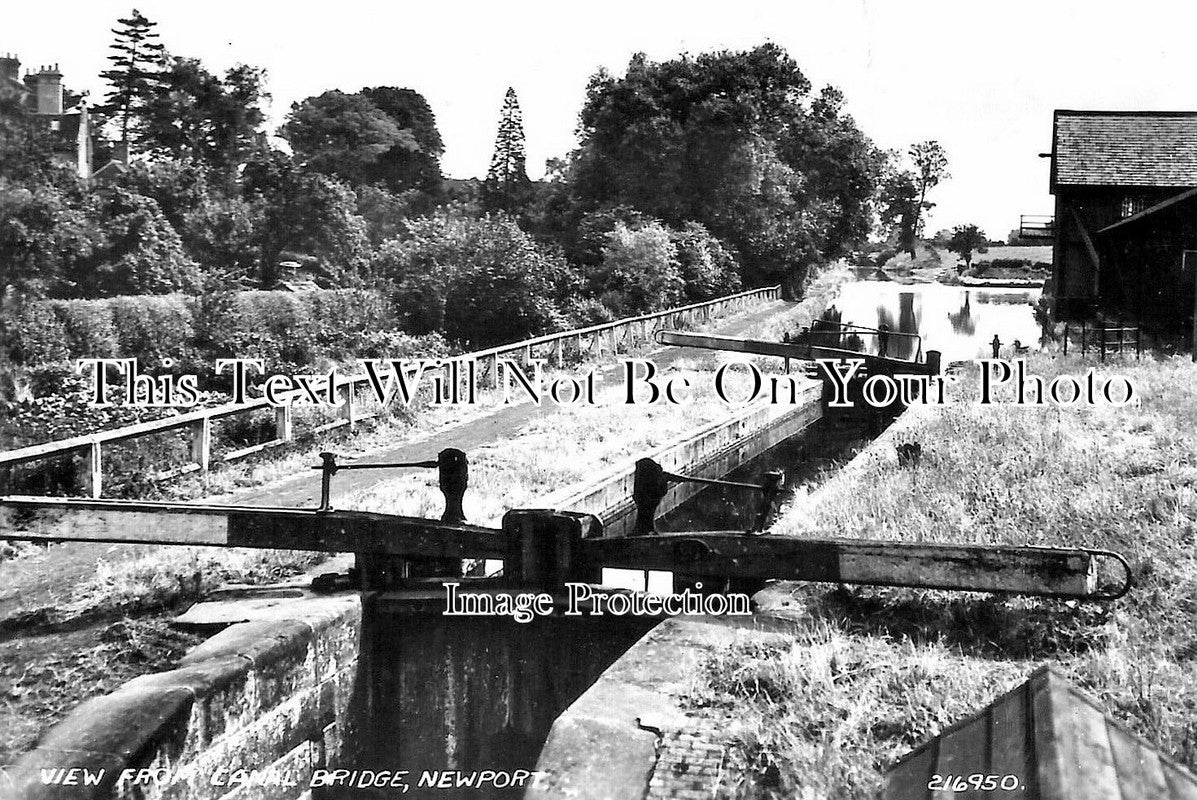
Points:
(507, 187)
(707, 268)
(383, 136)
(305, 212)
(138, 252)
(44, 233)
(965, 239)
(734, 141)
(898, 196)
(193, 114)
(25, 153)
(343, 135)
(480, 281)
(404, 167)
(639, 271)
(136, 65)
(931, 168)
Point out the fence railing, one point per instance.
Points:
(1036, 226)
(592, 342)
(1107, 340)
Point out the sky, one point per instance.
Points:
(982, 78)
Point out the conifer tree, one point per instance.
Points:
(137, 62)
(507, 187)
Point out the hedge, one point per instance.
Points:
(90, 332)
(279, 327)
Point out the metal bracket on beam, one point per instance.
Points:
(451, 464)
(651, 482)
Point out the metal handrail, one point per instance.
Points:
(876, 331)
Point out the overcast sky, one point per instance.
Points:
(981, 77)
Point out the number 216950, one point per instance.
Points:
(975, 782)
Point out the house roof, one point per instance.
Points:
(1056, 742)
(1125, 148)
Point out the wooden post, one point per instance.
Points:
(201, 443)
(559, 352)
(614, 343)
(1103, 343)
(94, 479)
(283, 423)
(347, 408)
(1066, 329)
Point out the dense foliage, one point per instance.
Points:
(693, 177)
(734, 141)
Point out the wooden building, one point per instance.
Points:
(1126, 213)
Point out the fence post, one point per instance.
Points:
(1065, 337)
(201, 443)
(559, 352)
(95, 477)
(347, 408)
(283, 430)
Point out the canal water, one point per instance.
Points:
(959, 322)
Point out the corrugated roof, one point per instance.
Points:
(1119, 148)
(1045, 740)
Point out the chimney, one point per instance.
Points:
(10, 67)
(49, 91)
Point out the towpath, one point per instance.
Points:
(46, 578)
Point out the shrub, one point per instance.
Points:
(339, 318)
(707, 268)
(89, 328)
(639, 271)
(36, 336)
(588, 311)
(396, 344)
(481, 281)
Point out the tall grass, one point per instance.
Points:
(1118, 478)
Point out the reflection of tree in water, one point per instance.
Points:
(886, 320)
(963, 320)
(910, 319)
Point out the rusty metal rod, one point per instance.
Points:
(397, 465)
(713, 482)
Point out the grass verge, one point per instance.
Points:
(873, 672)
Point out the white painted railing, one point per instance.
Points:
(593, 342)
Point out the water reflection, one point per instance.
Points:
(959, 322)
